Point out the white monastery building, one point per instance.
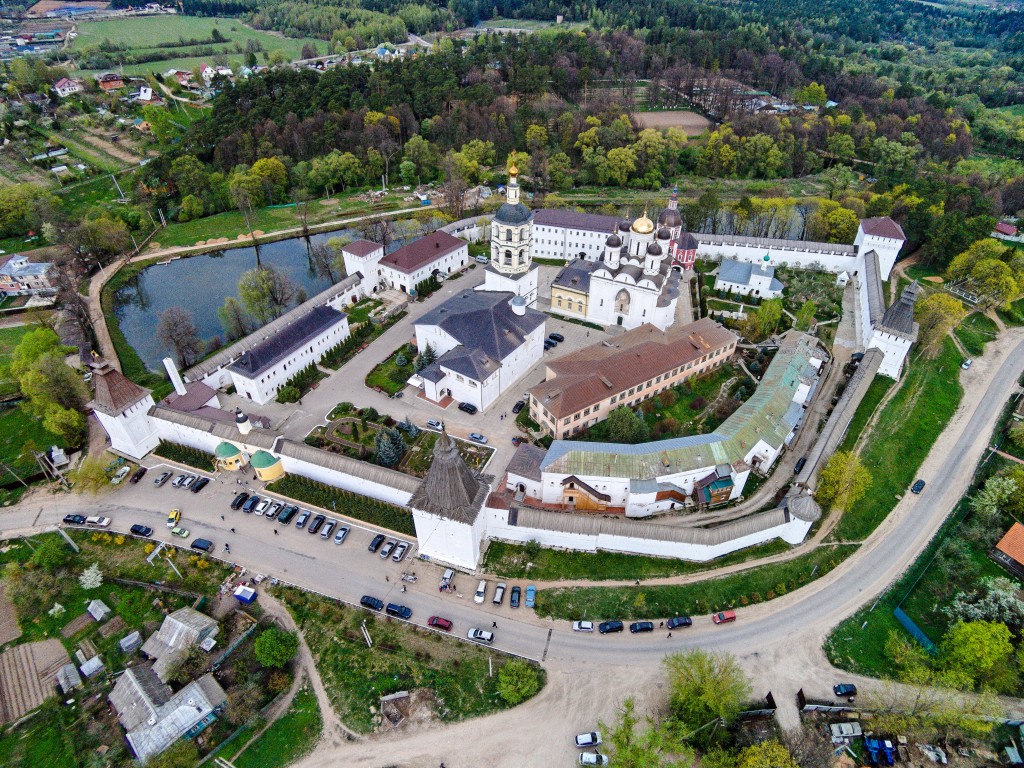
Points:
(436, 254)
(747, 279)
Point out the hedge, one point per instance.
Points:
(184, 454)
(354, 505)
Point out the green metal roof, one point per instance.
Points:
(262, 460)
(227, 451)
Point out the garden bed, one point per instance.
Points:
(372, 511)
(183, 454)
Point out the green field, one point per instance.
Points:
(144, 34)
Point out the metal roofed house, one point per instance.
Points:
(583, 387)
(650, 477)
(154, 717)
(437, 253)
(19, 276)
(181, 629)
(261, 371)
(484, 341)
(747, 279)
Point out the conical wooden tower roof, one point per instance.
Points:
(450, 489)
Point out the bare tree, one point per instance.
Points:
(323, 260)
(454, 190)
(301, 198)
(380, 231)
(178, 333)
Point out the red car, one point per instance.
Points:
(440, 623)
(723, 617)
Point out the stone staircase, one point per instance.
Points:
(27, 674)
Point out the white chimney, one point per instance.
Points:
(172, 372)
(242, 422)
(518, 305)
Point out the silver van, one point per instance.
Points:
(499, 593)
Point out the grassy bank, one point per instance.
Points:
(876, 391)
(404, 658)
(289, 738)
(975, 332)
(698, 599)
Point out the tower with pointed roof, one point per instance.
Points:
(447, 508)
(511, 267)
(122, 408)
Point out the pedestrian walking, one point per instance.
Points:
(232, 530)
(222, 517)
(275, 531)
(661, 625)
(494, 625)
(387, 579)
(638, 582)
(670, 634)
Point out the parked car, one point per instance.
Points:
(434, 424)
(468, 408)
(137, 475)
(341, 535)
(476, 437)
(400, 550)
(799, 465)
(287, 514)
(74, 519)
(204, 545)
(261, 508)
(371, 602)
(97, 521)
(401, 611)
(480, 635)
(120, 475)
(520, 404)
(328, 530)
(724, 617)
(549, 344)
(641, 626)
(606, 627)
(499, 593)
(315, 524)
(377, 541)
(481, 260)
(966, 363)
(188, 481)
(844, 690)
(517, 441)
(173, 517)
(162, 478)
(591, 739)
(240, 500)
(250, 505)
(300, 521)
(273, 510)
(437, 622)
(583, 626)
(387, 549)
(556, 337)
(182, 532)
(679, 621)
(199, 484)
(917, 487)
(481, 592)
(178, 481)
(141, 530)
(531, 596)
(593, 758)
(513, 599)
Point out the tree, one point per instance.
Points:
(626, 426)
(265, 293)
(407, 170)
(621, 164)
(518, 680)
(643, 744)
(389, 447)
(831, 223)
(233, 319)
(453, 188)
(178, 333)
(91, 475)
(426, 357)
(812, 93)
(275, 647)
(52, 554)
(994, 282)
(976, 651)
(937, 315)
(843, 480)
(33, 345)
(100, 238)
(191, 208)
(767, 754)
(990, 500)
(1016, 435)
(764, 321)
(995, 599)
(243, 704)
(91, 577)
(705, 687)
(323, 259)
(273, 174)
(963, 263)
(804, 316)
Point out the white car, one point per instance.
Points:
(481, 592)
(593, 758)
(480, 636)
(591, 739)
(476, 437)
(583, 626)
(261, 508)
(122, 473)
(97, 521)
(434, 424)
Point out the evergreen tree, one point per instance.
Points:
(389, 445)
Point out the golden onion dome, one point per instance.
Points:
(643, 225)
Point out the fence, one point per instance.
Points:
(805, 704)
(916, 632)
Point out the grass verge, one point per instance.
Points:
(975, 332)
(344, 503)
(404, 658)
(876, 391)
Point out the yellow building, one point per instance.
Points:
(229, 457)
(267, 467)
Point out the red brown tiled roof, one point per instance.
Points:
(361, 247)
(883, 226)
(1012, 544)
(114, 393)
(426, 250)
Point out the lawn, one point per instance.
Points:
(975, 332)
(389, 376)
(403, 658)
(360, 312)
(151, 34)
(519, 561)
(9, 339)
(699, 599)
(902, 437)
(877, 390)
(807, 285)
(1014, 315)
(20, 434)
(289, 738)
(47, 739)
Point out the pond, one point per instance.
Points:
(200, 284)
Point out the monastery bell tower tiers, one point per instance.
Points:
(511, 267)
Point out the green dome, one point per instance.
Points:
(262, 460)
(227, 451)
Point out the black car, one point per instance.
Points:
(556, 337)
(468, 408)
(240, 499)
(141, 530)
(314, 526)
(799, 465)
(679, 621)
(917, 487)
(520, 404)
(641, 626)
(204, 545)
(250, 505)
(401, 611)
(287, 514)
(609, 626)
(371, 602)
(74, 519)
(199, 484)
(845, 690)
(377, 541)
(137, 475)
(549, 344)
(513, 599)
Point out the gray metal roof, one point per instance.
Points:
(800, 246)
(873, 282)
(483, 322)
(266, 354)
(473, 363)
(576, 275)
(348, 466)
(526, 461)
(261, 438)
(740, 273)
(589, 222)
(512, 214)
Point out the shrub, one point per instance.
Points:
(345, 503)
(698, 403)
(184, 454)
(518, 680)
(288, 394)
